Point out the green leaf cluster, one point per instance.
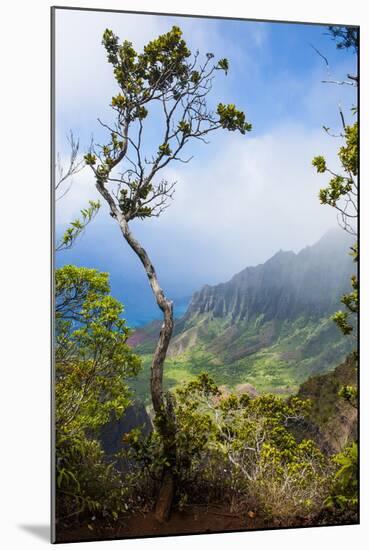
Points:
(348, 153)
(232, 119)
(133, 201)
(224, 65)
(349, 393)
(320, 164)
(77, 226)
(161, 65)
(90, 159)
(340, 185)
(164, 150)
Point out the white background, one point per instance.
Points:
(25, 272)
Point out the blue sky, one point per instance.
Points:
(241, 198)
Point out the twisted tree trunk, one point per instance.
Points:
(163, 406)
(164, 414)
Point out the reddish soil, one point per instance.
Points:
(195, 520)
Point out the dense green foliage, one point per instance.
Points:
(344, 494)
(243, 449)
(92, 363)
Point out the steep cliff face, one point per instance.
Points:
(333, 421)
(284, 287)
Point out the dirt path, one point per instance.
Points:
(192, 521)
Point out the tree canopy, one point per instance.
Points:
(165, 73)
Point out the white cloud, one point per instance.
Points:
(83, 76)
(237, 203)
(254, 196)
(84, 79)
(259, 34)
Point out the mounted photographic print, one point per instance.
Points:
(205, 201)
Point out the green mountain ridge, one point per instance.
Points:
(268, 326)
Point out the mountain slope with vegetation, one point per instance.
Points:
(332, 421)
(268, 326)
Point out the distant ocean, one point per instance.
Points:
(131, 289)
(139, 316)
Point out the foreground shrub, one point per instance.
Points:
(87, 486)
(343, 499)
(240, 450)
(92, 364)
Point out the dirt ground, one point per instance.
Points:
(192, 521)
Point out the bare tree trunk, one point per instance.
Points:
(164, 413)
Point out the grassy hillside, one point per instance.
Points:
(277, 356)
(268, 326)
